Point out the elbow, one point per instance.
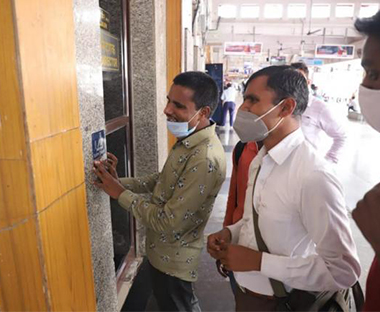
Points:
(347, 275)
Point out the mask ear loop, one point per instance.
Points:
(268, 112)
(282, 118)
(195, 115)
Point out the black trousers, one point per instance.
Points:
(172, 293)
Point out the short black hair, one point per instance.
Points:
(229, 84)
(205, 89)
(286, 82)
(301, 66)
(369, 26)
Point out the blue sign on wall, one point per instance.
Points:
(99, 145)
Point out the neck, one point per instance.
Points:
(286, 128)
(202, 124)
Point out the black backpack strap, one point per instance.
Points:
(239, 147)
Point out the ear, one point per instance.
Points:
(206, 111)
(288, 106)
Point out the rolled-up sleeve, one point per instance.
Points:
(335, 264)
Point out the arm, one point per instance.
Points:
(187, 199)
(232, 195)
(137, 185)
(140, 185)
(335, 264)
(367, 217)
(335, 129)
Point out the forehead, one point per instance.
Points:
(258, 87)
(371, 52)
(257, 84)
(181, 94)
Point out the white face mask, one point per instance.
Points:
(181, 129)
(250, 127)
(369, 101)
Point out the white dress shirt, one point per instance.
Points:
(302, 219)
(229, 95)
(319, 121)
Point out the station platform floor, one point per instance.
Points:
(358, 170)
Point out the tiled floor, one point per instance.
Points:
(358, 171)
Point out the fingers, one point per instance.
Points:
(99, 169)
(223, 245)
(214, 254)
(213, 243)
(112, 159)
(98, 184)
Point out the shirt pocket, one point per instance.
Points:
(276, 230)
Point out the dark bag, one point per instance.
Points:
(239, 147)
(301, 300)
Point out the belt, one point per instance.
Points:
(251, 293)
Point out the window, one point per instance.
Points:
(344, 10)
(296, 10)
(249, 11)
(320, 10)
(227, 10)
(368, 9)
(273, 11)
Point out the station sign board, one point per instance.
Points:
(243, 48)
(334, 51)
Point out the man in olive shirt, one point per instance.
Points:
(183, 193)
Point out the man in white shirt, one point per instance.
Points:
(300, 204)
(228, 98)
(319, 121)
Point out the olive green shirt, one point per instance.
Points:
(182, 198)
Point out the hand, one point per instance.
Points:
(239, 258)
(214, 240)
(110, 164)
(107, 183)
(367, 217)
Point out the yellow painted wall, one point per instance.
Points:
(45, 258)
(173, 46)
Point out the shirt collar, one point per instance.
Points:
(282, 150)
(199, 136)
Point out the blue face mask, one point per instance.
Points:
(181, 129)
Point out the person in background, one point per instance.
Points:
(228, 98)
(367, 212)
(318, 119)
(353, 105)
(314, 90)
(242, 156)
(181, 196)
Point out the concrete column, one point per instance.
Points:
(91, 106)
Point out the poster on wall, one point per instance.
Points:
(242, 48)
(109, 44)
(336, 51)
